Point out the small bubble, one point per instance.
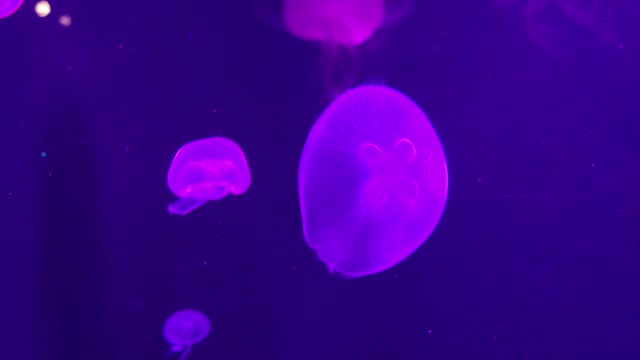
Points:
(43, 154)
(43, 9)
(65, 20)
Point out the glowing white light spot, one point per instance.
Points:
(65, 20)
(43, 9)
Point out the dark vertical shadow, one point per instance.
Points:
(73, 272)
(19, 257)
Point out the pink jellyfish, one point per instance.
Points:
(340, 26)
(8, 7)
(206, 170)
(341, 22)
(372, 181)
(185, 328)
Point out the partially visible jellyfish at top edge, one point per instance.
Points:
(372, 181)
(341, 27)
(206, 170)
(8, 7)
(185, 328)
(566, 28)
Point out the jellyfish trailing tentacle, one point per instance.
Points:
(183, 206)
(185, 353)
(338, 69)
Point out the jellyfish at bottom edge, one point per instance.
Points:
(207, 170)
(185, 328)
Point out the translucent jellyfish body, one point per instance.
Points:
(8, 7)
(566, 29)
(185, 328)
(205, 170)
(341, 27)
(372, 181)
(342, 22)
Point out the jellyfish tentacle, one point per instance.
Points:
(187, 350)
(183, 206)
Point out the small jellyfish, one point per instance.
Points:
(341, 27)
(8, 7)
(205, 170)
(372, 181)
(185, 328)
(567, 28)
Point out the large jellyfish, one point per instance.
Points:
(372, 181)
(8, 7)
(205, 170)
(185, 328)
(566, 28)
(341, 27)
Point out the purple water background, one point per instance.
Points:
(535, 256)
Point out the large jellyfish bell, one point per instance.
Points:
(372, 181)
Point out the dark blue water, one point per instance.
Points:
(535, 256)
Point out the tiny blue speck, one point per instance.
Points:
(43, 154)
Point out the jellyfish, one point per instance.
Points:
(8, 7)
(185, 328)
(564, 28)
(341, 27)
(206, 170)
(372, 181)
